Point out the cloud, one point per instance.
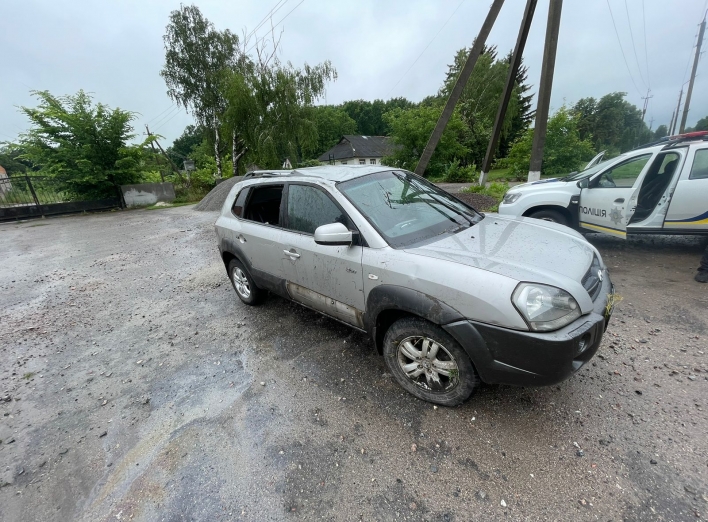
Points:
(114, 49)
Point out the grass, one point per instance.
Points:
(494, 190)
(28, 375)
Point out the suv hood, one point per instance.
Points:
(541, 184)
(523, 249)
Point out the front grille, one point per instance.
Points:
(591, 281)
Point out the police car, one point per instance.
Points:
(661, 187)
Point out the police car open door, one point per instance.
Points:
(609, 200)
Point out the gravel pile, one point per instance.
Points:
(478, 201)
(213, 201)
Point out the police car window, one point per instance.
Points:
(309, 208)
(699, 169)
(623, 175)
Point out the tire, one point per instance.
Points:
(455, 387)
(550, 215)
(243, 284)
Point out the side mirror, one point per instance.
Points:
(583, 183)
(335, 234)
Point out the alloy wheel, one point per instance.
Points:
(428, 364)
(243, 288)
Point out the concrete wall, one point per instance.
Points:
(145, 194)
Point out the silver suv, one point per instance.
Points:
(450, 296)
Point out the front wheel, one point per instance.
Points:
(427, 362)
(550, 215)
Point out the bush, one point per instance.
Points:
(454, 173)
(309, 163)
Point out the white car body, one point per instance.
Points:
(665, 191)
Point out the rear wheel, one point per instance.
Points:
(427, 362)
(246, 289)
(550, 215)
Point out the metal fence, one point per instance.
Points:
(35, 196)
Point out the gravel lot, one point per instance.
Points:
(135, 385)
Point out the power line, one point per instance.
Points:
(270, 14)
(621, 49)
(634, 47)
(167, 109)
(426, 48)
(167, 120)
(172, 112)
(646, 52)
(276, 25)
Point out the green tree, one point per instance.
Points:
(612, 123)
(331, 123)
(480, 98)
(11, 159)
(196, 59)
(661, 131)
(410, 130)
(702, 124)
(83, 145)
(564, 150)
(182, 147)
(270, 106)
(368, 115)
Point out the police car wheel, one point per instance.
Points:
(550, 215)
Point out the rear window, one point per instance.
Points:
(264, 204)
(699, 169)
(240, 202)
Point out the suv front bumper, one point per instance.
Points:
(504, 356)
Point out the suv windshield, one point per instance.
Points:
(406, 209)
(588, 172)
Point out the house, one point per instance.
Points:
(358, 150)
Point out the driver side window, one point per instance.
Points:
(309, 208)
(624, 174)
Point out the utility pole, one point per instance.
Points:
(671, 122)
(508, 89)
(678, 110)
(458, 87)
(172, 163)
(646, 102)
(544, 90)
(693, 76)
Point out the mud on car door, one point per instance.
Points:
(326, 278)
(609, 200)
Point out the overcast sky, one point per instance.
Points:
(114, 49)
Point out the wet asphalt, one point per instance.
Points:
(135, 386)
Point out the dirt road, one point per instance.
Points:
(135, 386)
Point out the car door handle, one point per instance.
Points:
(619, 200)
(291, 254)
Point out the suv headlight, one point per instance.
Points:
(545, 308)
(511, 197)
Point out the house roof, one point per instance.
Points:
(351, 146)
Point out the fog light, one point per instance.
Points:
(583, 344)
